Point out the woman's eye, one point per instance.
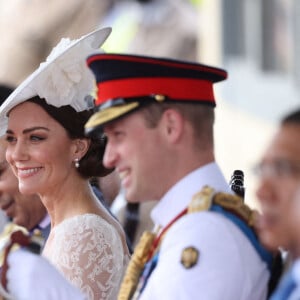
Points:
(36, 138)
(10, 139)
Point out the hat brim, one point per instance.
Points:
(109, 114)
(25, 90)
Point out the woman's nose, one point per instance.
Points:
(16, 152)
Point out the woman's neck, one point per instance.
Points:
(68, 200)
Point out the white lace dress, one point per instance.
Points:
(90, 253)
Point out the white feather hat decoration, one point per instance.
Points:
(63, 79)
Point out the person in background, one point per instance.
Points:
(51, 157)
(5, 91)
(278, 195)
(134, 217)
(109, 185)
(106, 189)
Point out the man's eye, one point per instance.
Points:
(118, 133)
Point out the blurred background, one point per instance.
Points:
(255, 40)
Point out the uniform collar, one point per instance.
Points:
(180, 195)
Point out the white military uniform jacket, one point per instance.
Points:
(228, 266)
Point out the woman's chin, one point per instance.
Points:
(27, 190)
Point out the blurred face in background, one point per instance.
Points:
(110, 186)
(23, 210)
(279, 173)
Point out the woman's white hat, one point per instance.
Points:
(62, 79)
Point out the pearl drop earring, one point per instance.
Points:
(77, 162)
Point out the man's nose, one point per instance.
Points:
(110, 156)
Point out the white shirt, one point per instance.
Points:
(295, 269)
(228, 266)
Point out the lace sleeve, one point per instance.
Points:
(89, 252)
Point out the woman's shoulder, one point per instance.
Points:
(90, 230)
(84, 222)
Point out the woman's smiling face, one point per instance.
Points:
(39, 149)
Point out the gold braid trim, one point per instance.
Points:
(136, 265)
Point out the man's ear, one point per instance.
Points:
(173, 122)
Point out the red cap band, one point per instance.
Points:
(174, 88)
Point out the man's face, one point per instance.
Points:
(279, 182)
(139, 154)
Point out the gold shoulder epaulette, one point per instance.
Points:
(204, 199)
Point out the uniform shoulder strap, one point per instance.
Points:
(233, 208)
(207, 197)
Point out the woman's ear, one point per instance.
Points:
(81, 147)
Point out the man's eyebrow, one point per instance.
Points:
(28, 130)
